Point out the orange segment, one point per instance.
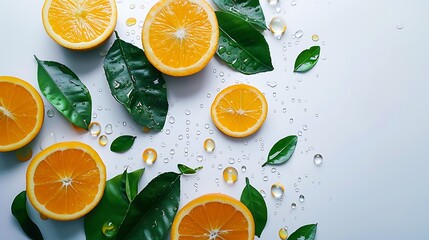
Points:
(180, 36)
(21, 113)
(239, 110)
(213, 216)
(80, 24)
(66, 180)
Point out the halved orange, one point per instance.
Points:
(180, 37)
(66, 180)
(239, 110)
(21, 113)
(79, 25)
(213, 216)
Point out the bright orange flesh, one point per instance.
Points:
(180, 36)
(213, 216)
(66, 181)
(21, 113)
(79, 24)
(239, 110)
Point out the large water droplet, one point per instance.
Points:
(209, 145)
(108, 229)
(318, 159)
(149, 156)
(277, 27)
(277, 190)
(230, 175)
(283, 234)
(301, 198)
(24, 154)
(108, 129)
(103, 140)
(50, 113)
(95, 128)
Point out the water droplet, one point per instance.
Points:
(284, 110)
(108, 129)
(299, 33)
(180, 137)
(293, 3)
(291, 120)
(95, 128)
(208, 95)
(108, 229)
(262, 193)
(149, 156)
(243, 169)
(273, 2)
(48, 140)
(221, 74)
(277, 190)
(166, 160)
(231, 160)
(146, 129)
(315, 37)
(318, 159)
(296, 189)
(24, 154)
(199, 158)
(299, 133)
(273, 170)
(277, 27)
(272, 83)
(132, 5)
(293, 206)
(103, 140)
(172, 152)
(278, 9)
(188, 112)
(50, 113)
(304, 127)
(209, 145)
(131, 21)
(230, 175)
(399, 26)
(301, 198)
(265, 178)
(283, 234)
(167, 132)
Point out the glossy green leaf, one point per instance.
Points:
(187, 170)
(282, 151)
(307, 59)
(125, 187)
(136, 84)
(249, 10)
(152, 211)
(241, 46)
(122, 143)
(63, 89)
(112, 207)
(307, 232)
(254, 201)
(19, 210)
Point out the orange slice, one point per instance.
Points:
(180, 36)
(21, 113)
(79, 25)
(239, 110)
(66, 180)
(213, 217)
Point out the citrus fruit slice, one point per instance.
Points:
(79, 25)
(66, 180)
(180, 36)
(239, 110)
(21, 113)
(213, 216)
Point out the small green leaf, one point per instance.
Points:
(282, 151)
(136, 84)
(249, 10)
(125, 187)
(112, 207)
(122, 143)
(307, 232)
(307, 59)
(19, 210)
(152, 211)
(187, 170)
(254, 201)
(241, 46)
(63, 89)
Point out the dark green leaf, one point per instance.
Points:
(19, 210)
(125, 187)
(241, 46)
(254, 201)
(282, 151)
(307, 232)
(112, 207)
(249, 10)
(151, 213)
(307, 59)
(122, 143)
(63, 89)
(136, 84)
(187, 170)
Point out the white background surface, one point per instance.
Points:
(369, 94)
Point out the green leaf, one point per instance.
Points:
(63, 89)
(249, 10)
(136, 84)
(282, 151)
(19, 210)
(254, 201)
(307, 232)
(307, 59)
(187, 170)
(151, 213)
(125, 187)
(112, 207)
(241, 46)
(122, 143)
